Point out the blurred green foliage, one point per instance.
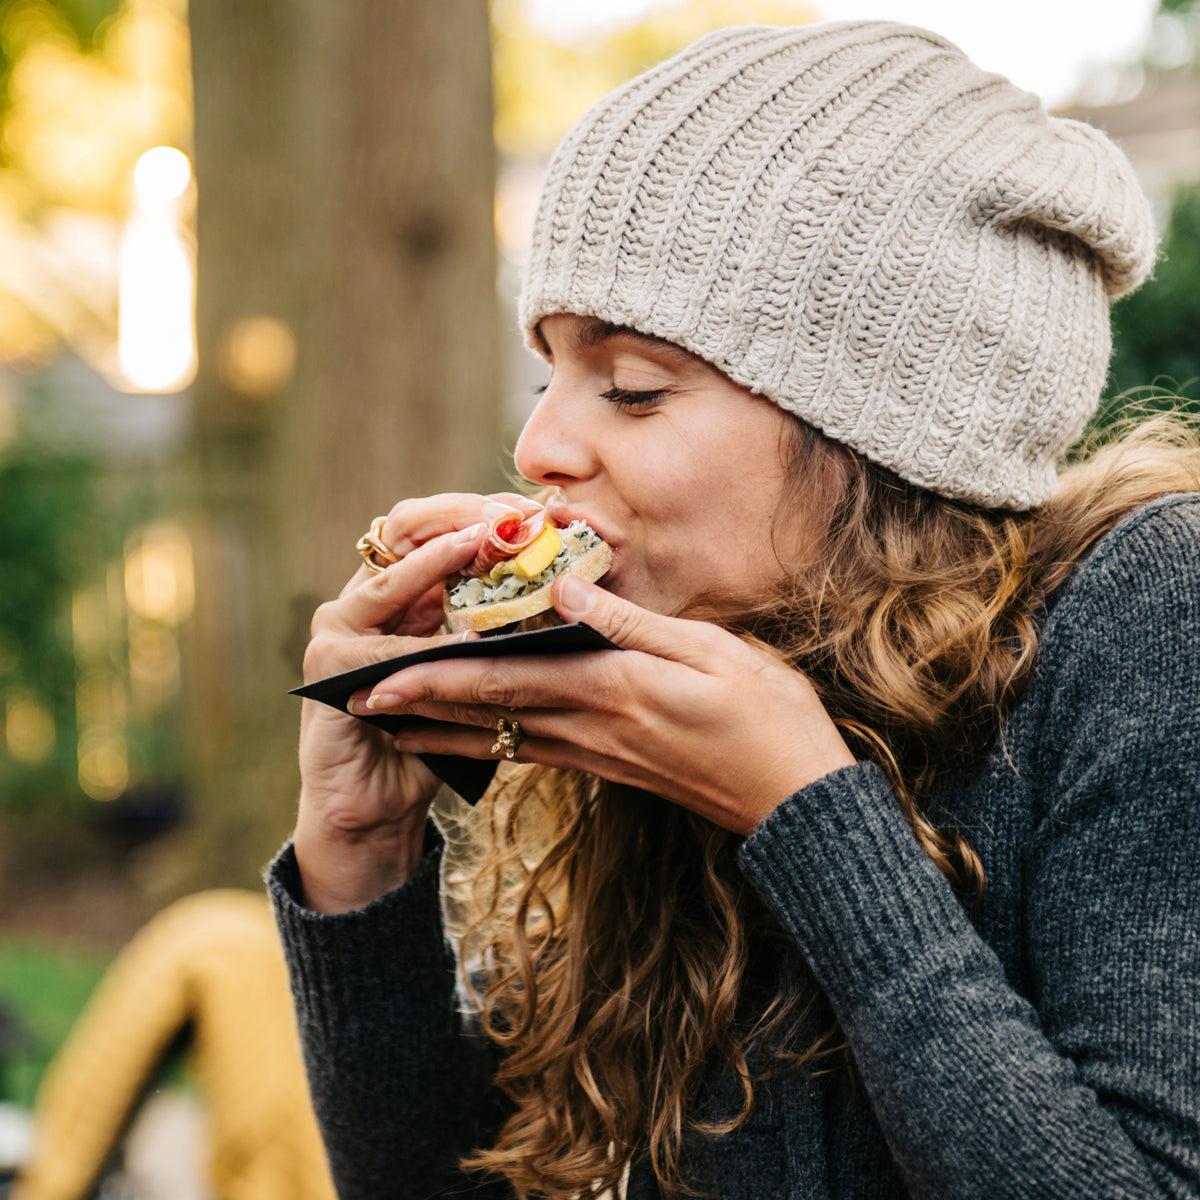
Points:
(48, 502)
(45, 988)
(64, 519)
(1156, 331)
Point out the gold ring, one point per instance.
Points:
(373, 548)
(509, 737)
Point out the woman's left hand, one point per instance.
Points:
(686, 710)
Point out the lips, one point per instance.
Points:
(562, 516)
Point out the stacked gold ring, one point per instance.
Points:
(375, 552)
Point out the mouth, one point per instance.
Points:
(562, 516)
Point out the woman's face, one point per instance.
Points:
(679, 469)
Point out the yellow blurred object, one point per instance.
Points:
(539, 554)
(211, 962)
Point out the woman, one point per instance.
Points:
(869, 865)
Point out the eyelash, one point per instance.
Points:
(627, 399)
(620, 396)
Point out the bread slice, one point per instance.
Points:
(590, 565)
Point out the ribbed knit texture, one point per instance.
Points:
(397, 1120)
(855, 221)
(1049, 1049)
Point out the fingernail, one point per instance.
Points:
(465, 537)
(493, 509)
(574, 594)
(383, 700)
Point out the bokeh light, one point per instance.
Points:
(159, 584)
(28, 729)
(103, 763)
(161, 175)
(156, 345)
(257, 357)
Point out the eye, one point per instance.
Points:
(541, 387)
(624, 398)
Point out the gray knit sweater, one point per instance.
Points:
(1050, 1048)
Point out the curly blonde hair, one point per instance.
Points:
(612, 935)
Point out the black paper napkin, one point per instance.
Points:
(469, 777)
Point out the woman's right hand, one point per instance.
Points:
(363, 804)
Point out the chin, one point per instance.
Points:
(648, 598)
(626, 589)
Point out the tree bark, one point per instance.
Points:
(345, 172)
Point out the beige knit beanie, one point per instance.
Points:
(855, 221)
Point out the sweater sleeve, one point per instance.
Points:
(1092, 1086)
(401, 1085)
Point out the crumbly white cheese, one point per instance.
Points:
(577, 538)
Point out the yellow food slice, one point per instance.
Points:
(539, 554)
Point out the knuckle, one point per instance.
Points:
(611, 690)
(322, 618)
(624, 623)
(496, 688)
(610, 685)
(464, 714)
(394, 531)
(315, 655)
(397, 511)
(379, 584)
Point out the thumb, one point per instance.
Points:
(631, 627)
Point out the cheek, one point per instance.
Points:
(682, 555)
(663, 562)
(704, 509)
(728, 545)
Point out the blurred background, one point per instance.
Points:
(257, 262)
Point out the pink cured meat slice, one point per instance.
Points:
(507, 537)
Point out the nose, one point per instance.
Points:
(554, 447)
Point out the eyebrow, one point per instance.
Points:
(592, 332)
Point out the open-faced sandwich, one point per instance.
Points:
(520, 559)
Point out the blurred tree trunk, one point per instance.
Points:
(345, 169)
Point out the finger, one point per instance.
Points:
(548, 736)
(412, 523)
(516, 500)
(419, 618)
(455, 688)
(451, 738)
(691, 643)
(552, 722)
(333, 654)
(448, 738)
(403, 584)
